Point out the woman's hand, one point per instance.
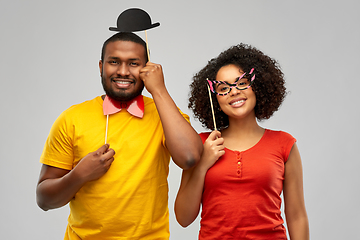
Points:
(213, 150)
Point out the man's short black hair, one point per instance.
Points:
(124, 36)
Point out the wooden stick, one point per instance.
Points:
(106, 130)
(212, 108)
(147, 46)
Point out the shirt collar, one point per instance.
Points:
(135, 106)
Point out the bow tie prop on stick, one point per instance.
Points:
(130, 20)
(110, 106)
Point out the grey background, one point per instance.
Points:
(49, 61)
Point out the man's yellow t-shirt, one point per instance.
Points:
(131, 200)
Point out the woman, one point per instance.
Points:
(244, 168)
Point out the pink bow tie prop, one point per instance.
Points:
(135, 106)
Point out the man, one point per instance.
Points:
(118, 190)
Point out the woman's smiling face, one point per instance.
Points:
(238, 103)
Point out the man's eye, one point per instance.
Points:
(134, 64)
(113, 62)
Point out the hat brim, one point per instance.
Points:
(126, 29)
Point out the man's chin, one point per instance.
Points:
(123, 97)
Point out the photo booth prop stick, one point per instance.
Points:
(212, 108)
(134, 20)
(134, 106)
(130, 20)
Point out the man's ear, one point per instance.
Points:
(100, 67)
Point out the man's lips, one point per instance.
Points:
(122, 83)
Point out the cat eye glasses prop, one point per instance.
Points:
(222, 88)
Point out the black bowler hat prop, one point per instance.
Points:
(133, 20)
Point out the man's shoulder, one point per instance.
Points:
(87, 105)
(148, 100)
(149, 104)
(84, 109)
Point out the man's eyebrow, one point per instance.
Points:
(112, 58)
(134, 59)
(130, 59)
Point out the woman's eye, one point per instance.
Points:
(243, 82)
(222, 88)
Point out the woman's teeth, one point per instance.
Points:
(237, 102)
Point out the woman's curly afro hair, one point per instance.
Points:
(269, 85)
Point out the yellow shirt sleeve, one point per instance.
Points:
(58, 149)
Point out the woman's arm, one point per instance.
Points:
(188, 200)
(295, 212)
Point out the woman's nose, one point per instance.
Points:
(234, 91)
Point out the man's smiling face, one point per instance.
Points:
(120, 70)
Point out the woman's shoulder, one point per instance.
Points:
(278, 133)
(279, 137)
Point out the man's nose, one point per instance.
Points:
(123, 70)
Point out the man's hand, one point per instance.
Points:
(182, 141)
(56, 186)
(153, 77)
(95, 164)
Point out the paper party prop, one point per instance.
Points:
(134, 20)
(212, 108)
(135, 106)
(130, 20)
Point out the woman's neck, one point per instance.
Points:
(244, 126)
(242, 134)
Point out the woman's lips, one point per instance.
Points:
(237, 102)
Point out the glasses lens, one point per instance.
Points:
(222, 88)
(242, 83)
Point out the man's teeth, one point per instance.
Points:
(122, 82)
(237, 102)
